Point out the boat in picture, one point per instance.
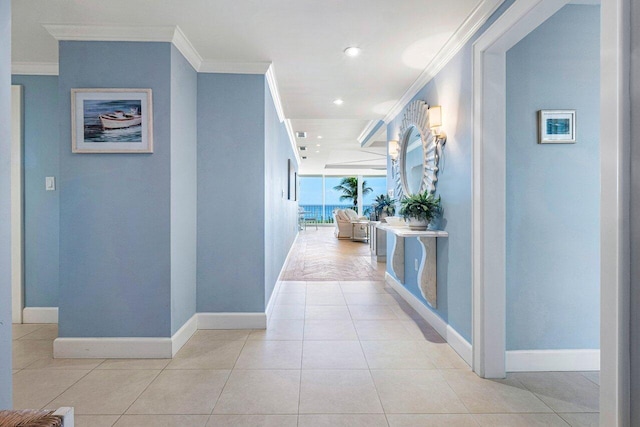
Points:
(120, 120)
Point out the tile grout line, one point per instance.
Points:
(230, 373)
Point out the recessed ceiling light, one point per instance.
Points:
(319, 136)
(352, 51)
(317, 145)
(317, 151)
(338, 101)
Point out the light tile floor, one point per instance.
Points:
(336, 353)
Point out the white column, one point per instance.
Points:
(324, 199)
(360, 195)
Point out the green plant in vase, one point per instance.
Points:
(384, 206)
(420, 209)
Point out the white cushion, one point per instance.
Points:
(351, 214)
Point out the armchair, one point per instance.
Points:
(342, 219)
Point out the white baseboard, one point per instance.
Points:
(552, 360)
(455, 340)
(40, 315)
(112, 348)
(183, 334)
(276, 288)
(272, 300)
(154, 348)
(232, 320)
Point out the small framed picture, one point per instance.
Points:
(557, 126)
(111, 121)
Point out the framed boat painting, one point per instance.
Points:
(111, 121)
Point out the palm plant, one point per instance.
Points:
(384, 205)
(422, 206)
(349, 187)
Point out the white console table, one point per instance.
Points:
(427, 274)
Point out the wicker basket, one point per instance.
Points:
(29, 418)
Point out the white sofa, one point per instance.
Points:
(343, 218)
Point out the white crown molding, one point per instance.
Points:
(40, 315)
(460, 37)
(270, 75)
(292, 140)
(183, 44)
(168, 33)
(35, 68)
(552, 360)
(211, 66)
(367, 132)
(120, 33)
(455, 340)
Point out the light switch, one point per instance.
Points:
(50, 183)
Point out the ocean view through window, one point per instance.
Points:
(318, 199)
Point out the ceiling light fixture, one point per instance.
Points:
(317, 145)
(338, 101)
(317, 151)
(352, 51)
(319, 136)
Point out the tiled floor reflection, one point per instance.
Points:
(336, 353)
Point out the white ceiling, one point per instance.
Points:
(303, 39)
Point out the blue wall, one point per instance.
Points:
(184, 93)
(280, 214)
(115, 208)
(553, 222)
(5, 203)
(41, 208)
(231, 193)
(451, 88)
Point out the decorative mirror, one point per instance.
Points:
(416, 170)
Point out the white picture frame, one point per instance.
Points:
(557, 126)
(111, 121)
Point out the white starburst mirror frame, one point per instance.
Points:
(416, 124)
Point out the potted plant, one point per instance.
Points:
(384, 206)
(420, 209)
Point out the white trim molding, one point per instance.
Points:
(112, 348)
(34, 68)
(182, 335)
(272, 82)
(489, 179)
(154, 348)
(460, 37)
(455, 340)
(552, 360)
(40, 315)
(17, 204)
(232, 320)
(211, 66)
(615, 229)
(127, 33)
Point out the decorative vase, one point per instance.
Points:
(417, 224)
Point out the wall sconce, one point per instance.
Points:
(393, 149)
(435, 122)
